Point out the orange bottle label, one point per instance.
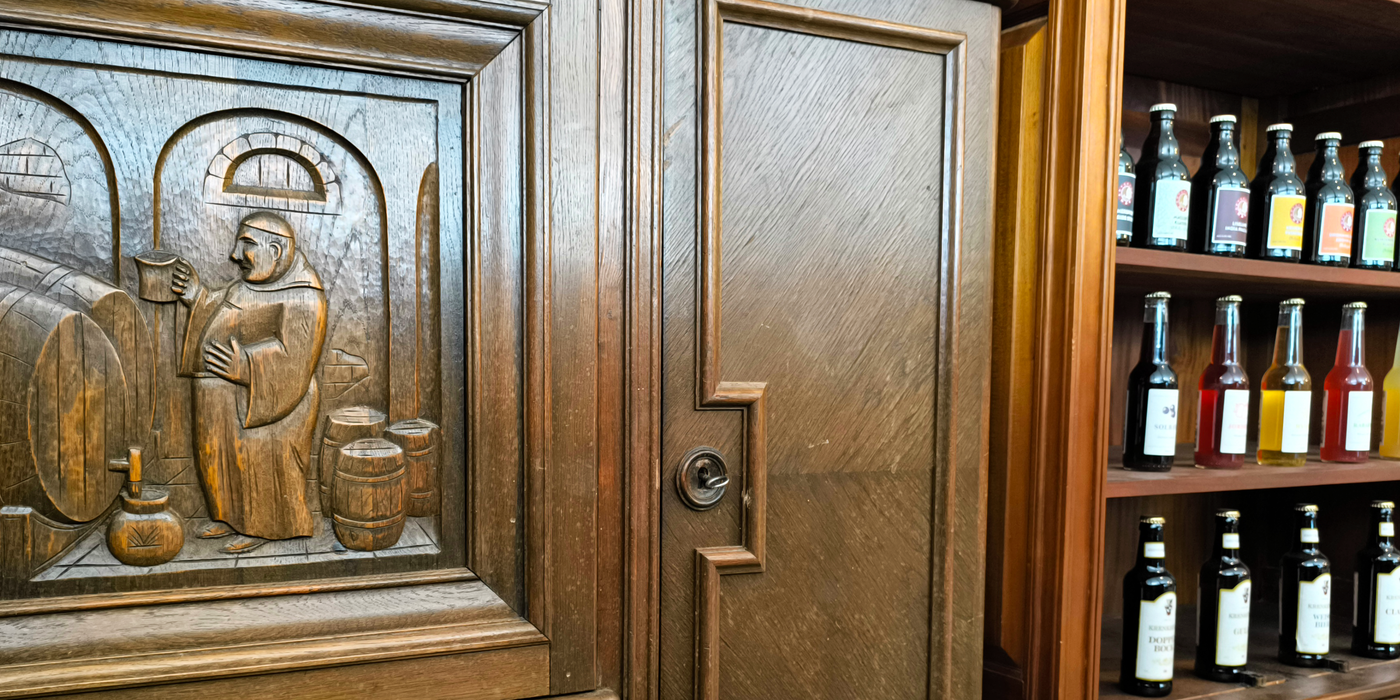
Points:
(1286, 222)
(1334, 234)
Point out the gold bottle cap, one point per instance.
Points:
(1383, 504)
(1235, 298)
(1279, 127)
(1162, 107)
(1152, 520)
(1295, 301)
(1371, 144)
(1159, 295)
(1305, 508)
(1333, 135)
(1227, 513)
(1223, 118)
(1355, 305)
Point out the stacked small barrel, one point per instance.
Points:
(373, 477)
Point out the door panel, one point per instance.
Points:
(819, 252)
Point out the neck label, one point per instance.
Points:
(1156, 641)
(1308, 535)
(1387, 529)
(1230, 540)
(1154, 550)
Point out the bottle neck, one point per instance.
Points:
(1380, 518)
(1227, 538)
(1288, 344)
(1373, 174)
(1154, 334)
(1225, 344)
(1351, 340)
(1162, 137)
(1328, 164)
(1221, 150)
(1151, 547)
(1307, 537)
(1280, 155)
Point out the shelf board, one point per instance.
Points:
(1189, 479)
(1190, 274)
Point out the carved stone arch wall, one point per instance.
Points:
(271, 170)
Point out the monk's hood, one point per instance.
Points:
(300, 274)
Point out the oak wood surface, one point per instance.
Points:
(1142, 269)
(1187, 479)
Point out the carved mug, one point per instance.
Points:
(155, 270)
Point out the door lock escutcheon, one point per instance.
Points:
(702, 478)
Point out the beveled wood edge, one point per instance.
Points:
(832, 25)
(508, 13)
(101, 601)
(66, 675)
(384, 38)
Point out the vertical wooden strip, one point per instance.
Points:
(94, 372)
(14, 556)
(70, 420)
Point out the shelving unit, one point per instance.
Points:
(1189, 479)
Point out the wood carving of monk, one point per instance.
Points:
(251, 349)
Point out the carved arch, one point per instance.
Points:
(272, 171)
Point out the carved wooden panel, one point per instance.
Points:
(211, 269)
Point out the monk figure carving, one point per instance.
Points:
(251, 349)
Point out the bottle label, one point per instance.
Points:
(1286, 221)
(1387, 530)
(1156, 648)
(1388, 607)
(1232, 627)
(1334, 233)
(1378, 245)
(1170, 209)
(1230, 540)
(1358, 423)
(1314, 615)
(1154, 550)
(1127, 182)
(1308, 535)
(1231, 223)
(1159, 429)
(1234, 421)
(1289, 411)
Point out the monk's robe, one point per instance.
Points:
(253, 440)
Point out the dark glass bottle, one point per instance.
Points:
(1163, 200)
(1222, 417)
(1149, 616)
(1305, 596)
(1127, 186)
(1222, 622)
(1350, 393)
(1220, 195)
(1373, 245)
(1149, 431)
(1375, 617)
(1331, 209)
(1277, 201)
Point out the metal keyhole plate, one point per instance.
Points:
(702, 478)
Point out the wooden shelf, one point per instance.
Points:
(1189, 479)
(1188, 274)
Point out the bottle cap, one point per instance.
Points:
(1162, 107)
(1295, 301)
(1383, 504)
(1328, 135)
(1305, 508)
(1152, 520)
(1355, 305)
(1223, 118)
(1231, 298)
(1158, 295)
(1279, 127)
(1371, 144)
(1227, 513)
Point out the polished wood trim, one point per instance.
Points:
(507, 13)
(1188, 479)
(1084, 58)
(831, 25)
(332, 34)
(1208, 275)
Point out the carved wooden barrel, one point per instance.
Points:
(113, 310)
(368, 493)
(420, 442)
(62, 408)
(344, 426)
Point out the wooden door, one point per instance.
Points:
(826, 187)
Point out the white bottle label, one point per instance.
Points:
(1314, 615)
(1232, 627)
(1156, 645)
(1159, 429)
(1388, 607)
(1154, 550)
(1296, 407)
(1234, 421)
(1387, 529)
(1230, 540)
(1308, 535)
(1170, 210)
(1358, 425)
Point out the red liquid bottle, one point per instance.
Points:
(1223, 416)
(1346, 423)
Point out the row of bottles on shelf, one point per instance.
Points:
(1277, 216)
(1285, 396)
(1223, 601)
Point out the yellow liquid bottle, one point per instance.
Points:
(1285, 394)
(1390, 431)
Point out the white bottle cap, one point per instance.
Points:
(1162, 106)
(1279, 127)
(1371, 144)
(1335, 135)
(1223, 118)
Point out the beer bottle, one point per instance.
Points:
(1349, 393)
(1127, 182)
(1161, 212)
(1222, 620)
(1305, 596)
(1285, 394)
(1375, 614)
(1149, 431)
(1331, 207)
(1149, 616)
(1276, 197)
(1222, 417)
(1220, 195)
(1373, 245)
